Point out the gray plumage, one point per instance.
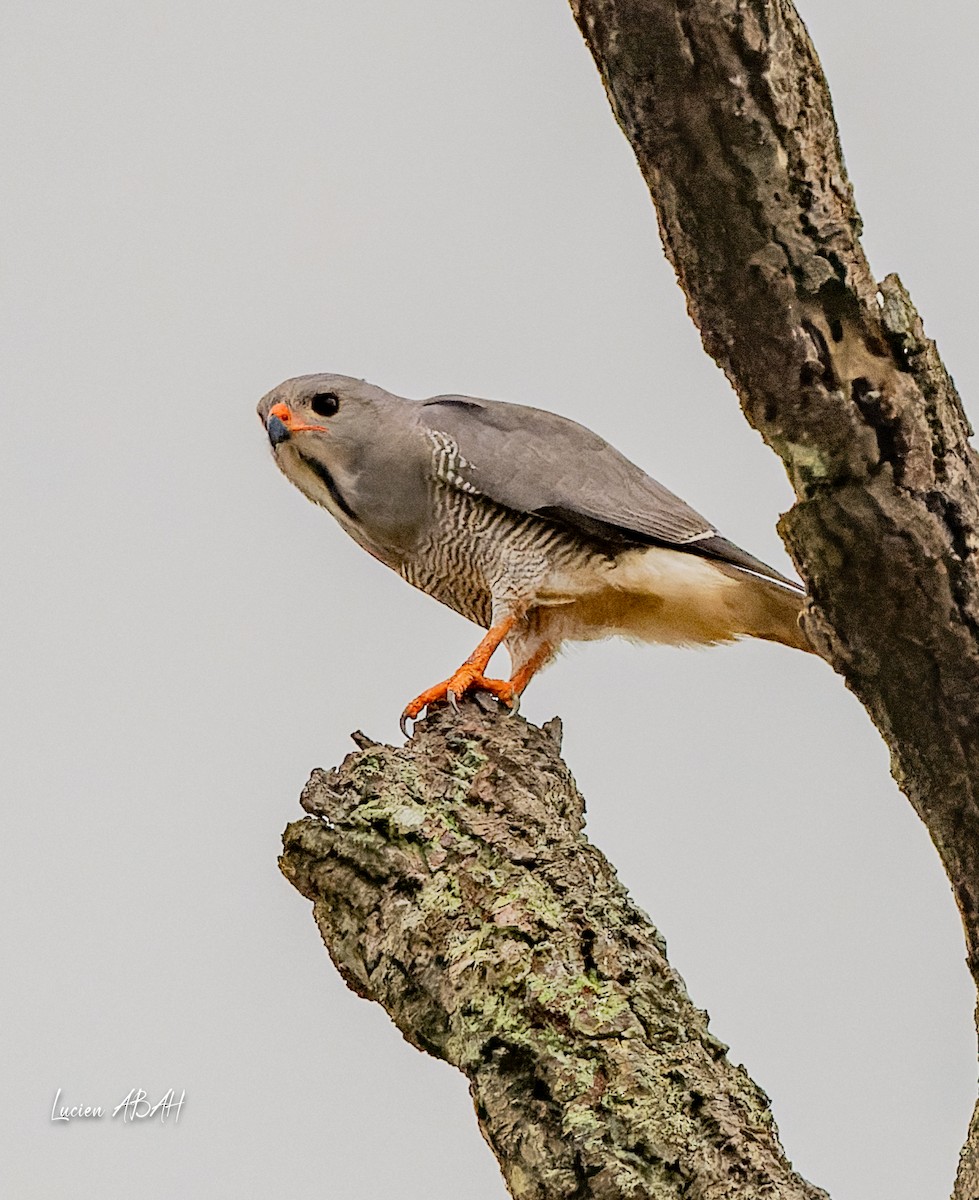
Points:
(512, 514)
(534, 461)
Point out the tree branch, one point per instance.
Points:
(728, 112)
(452, 883)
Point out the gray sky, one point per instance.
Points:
(202, 199)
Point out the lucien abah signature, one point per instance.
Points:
(136, 1106)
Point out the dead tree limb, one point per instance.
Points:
(450, 880)
(727, 109)
(452, 883)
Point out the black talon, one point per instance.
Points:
(453, 701)
(404, 724)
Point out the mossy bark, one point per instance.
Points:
(729, 114)
(452, 883)
(451, 880)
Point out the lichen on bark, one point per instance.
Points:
(451, 879)
(728, 111)
(452, 883)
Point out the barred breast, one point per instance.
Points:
(478, 554)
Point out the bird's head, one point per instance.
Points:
(350, 446)
(335, 405)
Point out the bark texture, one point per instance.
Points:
(451, 880)
(452, 883)
(727, 109)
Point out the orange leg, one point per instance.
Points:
(520, 679)
(469, 677)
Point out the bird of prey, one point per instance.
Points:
(525, 522)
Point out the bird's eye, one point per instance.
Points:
(325, 404)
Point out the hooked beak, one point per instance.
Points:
(281, 424)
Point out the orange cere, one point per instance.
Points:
(285, 415)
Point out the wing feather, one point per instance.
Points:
(534, 461)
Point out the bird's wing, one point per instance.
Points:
(534, 461)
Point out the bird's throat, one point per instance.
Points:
(322, 473)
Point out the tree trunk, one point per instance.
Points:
(727, 109)
(451, 881)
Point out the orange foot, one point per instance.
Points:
(469, 678)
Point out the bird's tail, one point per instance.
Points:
(768, 609)
(657, 594)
